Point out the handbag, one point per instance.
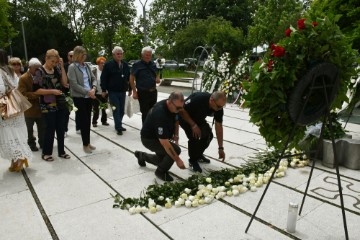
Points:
(13, 102)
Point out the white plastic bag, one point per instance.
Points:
(131, 106)
(109, 110)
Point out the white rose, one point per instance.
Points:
(191, 198)
(253, 189)
(280, 174)
(158, 208)
(75, 109)
(235, 192)
(132, 210)
(209, 187)
(152, 210)
(144, 209)
(184, 196)
(187, 190)
(222, 189)
(208, 180)
(168, 205)
(181, 201)
(229, 193)
(227, 184)
(138, 209)
(187, 203)
(201, 186)
(195, 203)
(293, 164)
(160, 198)
(177, 204)
(201, 201)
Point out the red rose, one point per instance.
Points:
(301, 23)
(270, 64)
(273, 47)
(287, 32)
(279, 51)
(314, 24)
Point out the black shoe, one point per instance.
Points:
(105, 124)
(123, 129)
(34, 148)
(164, 176)
(141, 162)
(119, 132)
(195, 167)
(94, 124)
(203, 159)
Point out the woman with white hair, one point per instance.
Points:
(115, 82)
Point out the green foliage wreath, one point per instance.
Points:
(274, 77)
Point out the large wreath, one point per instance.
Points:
(285, 63)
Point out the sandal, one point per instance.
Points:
(47, 158)
(65, 155)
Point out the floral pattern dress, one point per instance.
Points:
(13, 133)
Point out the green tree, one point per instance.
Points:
(212, 31)
(270, 18)
(130, 42)
(6, 30)
(349, 21)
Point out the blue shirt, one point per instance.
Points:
(145, 75)
(86, 78)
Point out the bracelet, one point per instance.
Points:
(221, 148)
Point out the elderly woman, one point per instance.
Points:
(13, 139)
(82, 88)
(100, 61)
(48, 83)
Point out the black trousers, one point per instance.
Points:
(96, 103)
(84, 106)
(40, 124)
(147, 100)
(160, 159)
(55, 122)
(197, 147)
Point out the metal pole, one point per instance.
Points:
(23, 33)
(144, 22)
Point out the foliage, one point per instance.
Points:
(6, 30)
(349, 21)
(166, 73)
(209, 32)
(284, 64)
(224, 75)
(258, 166)
(270, 18)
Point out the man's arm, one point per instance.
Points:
(133, 87)
(195, 128)
(28, 93)
(171, 152)
(219, 136)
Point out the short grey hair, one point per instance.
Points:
(117, 49)
(34, 62)
(218, 95)
(176, 96)
(146, 49)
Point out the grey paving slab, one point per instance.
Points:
(20, 218)
(212, 223)
(10, 182)
(100, 221)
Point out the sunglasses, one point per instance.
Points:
(15, 64)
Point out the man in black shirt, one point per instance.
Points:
(143, 79)
(193, 120)
(160, 135)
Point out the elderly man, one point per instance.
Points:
(115, 83)
(158, 134)
(193, 120)
(33, 114)
(143, 79)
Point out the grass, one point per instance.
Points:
(176, 74)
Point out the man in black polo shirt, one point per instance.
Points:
(158, 134)
(115, 82)
(143, 79)
(193, 120)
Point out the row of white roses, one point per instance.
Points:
(233, 187)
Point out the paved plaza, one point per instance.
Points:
(69, 199)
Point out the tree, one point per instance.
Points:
(212, 31)
(270, 17)
(6, 30)
(349, 21)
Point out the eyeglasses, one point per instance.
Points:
(177, 107)
(15, 64)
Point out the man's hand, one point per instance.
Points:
(91, 93)
(222, 154)
(130, 93)
(158, 80)
(175, 139)
(196, 131)
(180, 164)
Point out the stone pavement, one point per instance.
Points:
(70, 199)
